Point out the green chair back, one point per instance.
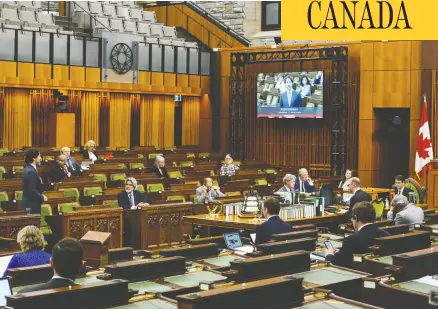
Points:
(233, 193)
(155, 187)
(175, 174)
(194, 198)
(413, 188)
(186, 164)
(118, 177)
(2, 171)
(140, 188)
(379, 207)
(190, 155)
(176, 198)
(261, 181)
(154, 155)
(93, 191)
(134, 166)
(270, 171)
(46, 210)
(18, 195)
(71, 192)
(99, 177)
(65, 207)
(123, 148)
(204, 155)
(18, 169)
(112, 203)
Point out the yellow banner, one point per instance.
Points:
(359, 20)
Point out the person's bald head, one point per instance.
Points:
(62, 159)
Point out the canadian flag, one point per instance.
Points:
(424, 147)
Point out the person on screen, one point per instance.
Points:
(280, 84)
(66, 261)
(318, 79)
(31, 242)
(306, 90)
(273, 224)
(290, 98)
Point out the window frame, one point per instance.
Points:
(266, 27)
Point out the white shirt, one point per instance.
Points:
(400, 191)
(92, 156)
(288, 189)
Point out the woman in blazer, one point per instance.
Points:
(90, 150)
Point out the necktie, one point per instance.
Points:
(302, 187)
(131, 199)
(399, 192)
(70, 165)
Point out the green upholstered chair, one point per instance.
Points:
(2, 171)
(154, 155)
(112, 203)
(71, 192)
(175, 174)
(18, 195)
(270, 171)
(379, 206)
(186, 164)
(65, 207)
(46, 210)
(194, 182)
(194, 198)
(17, 169)
(136, 166)
(261, 181)
(155, 187)
(176, 198)
(140, 188)
(123, 148)
(204, 155)
(190, 155)
(233, 193)
(121, 176)
(92, 191)
(3, 197)
(413, 188)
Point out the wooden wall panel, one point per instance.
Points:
(8, 69)
(391, 89)
(367, 56)
(93, 75)
(144, 78)
(25, 70)
(43, 71)
(60, 72)
(205, 134)
(157, 79)
(393, 56)
(414, 126)
(169, 79)
(195, 81)
(183, 80)
(366, 95)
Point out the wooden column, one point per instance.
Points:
(62, 129)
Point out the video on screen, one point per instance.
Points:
(290, 95)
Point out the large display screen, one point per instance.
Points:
(290, 95)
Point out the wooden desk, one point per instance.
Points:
(432, 185)
(77, 223)
(10, 225)
(236, 223)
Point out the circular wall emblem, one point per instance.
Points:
(121, 58)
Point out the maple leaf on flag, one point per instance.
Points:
(423, 149)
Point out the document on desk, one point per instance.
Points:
(430, 280)
(318, 257)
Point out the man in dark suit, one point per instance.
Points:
(273, 224)
(130, 197)
(291, 97)
(59, 170)
(73, 167)
(304, 184)
(399, 186)
(66, 261)
(363, 217)
(32, 183)
(358, 195)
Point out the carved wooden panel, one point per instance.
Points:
(3, 231)
(114, 229)
(164, 230)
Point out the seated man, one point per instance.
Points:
(59, 170)
(66, 261)
(273, 224)
(304, 184)
(289, 183)
(399, 186)
(363, 217)
(358, 195)
(403, 212)
(207, 192)
(73, 167)
(229, 168)
(130, 197)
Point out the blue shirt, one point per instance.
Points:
(29, 258)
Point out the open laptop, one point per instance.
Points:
(5, 290)
(234, 243)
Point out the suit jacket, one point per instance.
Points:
(74, 168)
(56, 173)
(359, 196)
(164, 173)
(32, 190)
(307, 186)
(411, 214)
(123, 199)
(86, 155)
(206, 197)
(274, 225)
(295, 100)
(284, 189)
(356, 243)
(51, 284)
(405, 191)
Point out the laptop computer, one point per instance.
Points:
(234, 243)
(5, 290)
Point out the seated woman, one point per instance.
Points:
(90, 150)
(31, 241)
(229, 168)
(159, 167)
(344, 182)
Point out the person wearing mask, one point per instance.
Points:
(358, 195)
(207, 192)
(73, 167)
(288, 183)
(130, 198)
(273, 224)
(32, 183)
(403, 212)
(304, 184)
(31, 242)
(399, 186)
(160, 168)
(67, 263)
(59, 170)
(363, 217)
(229, 168)
(90, 151)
